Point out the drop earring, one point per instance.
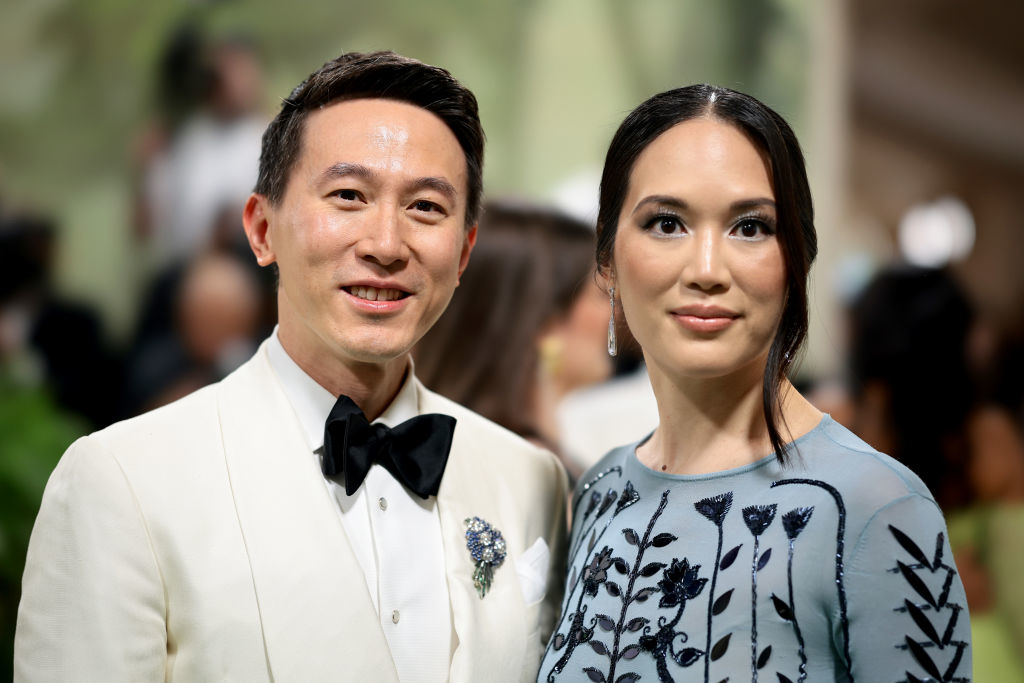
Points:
(613, 346)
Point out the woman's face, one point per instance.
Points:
(696, 260)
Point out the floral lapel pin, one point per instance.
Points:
(487, 549)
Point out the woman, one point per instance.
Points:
(526, 325)
(749, 537)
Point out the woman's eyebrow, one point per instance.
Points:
(664, 199)
(677, 203)
(759, 202)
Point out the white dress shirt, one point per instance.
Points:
(394, 534)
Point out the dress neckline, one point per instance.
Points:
(633, 462)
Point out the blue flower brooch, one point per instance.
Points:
(487, 549)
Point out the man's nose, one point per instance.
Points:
(383, 240)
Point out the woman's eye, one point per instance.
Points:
(752, 229)
(664, 224)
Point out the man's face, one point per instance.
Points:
(369, 237)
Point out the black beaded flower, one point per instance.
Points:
(596, 572)
(680, 582)
(795, 520)
(759, 517)
(627, 498)
(715, 508)
(487, 549)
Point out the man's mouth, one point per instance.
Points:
(375, 294)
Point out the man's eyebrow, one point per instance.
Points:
(438, 185)
(345, 169)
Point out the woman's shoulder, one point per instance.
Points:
(864, 475)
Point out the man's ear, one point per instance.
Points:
(467, 247)
(256, 221)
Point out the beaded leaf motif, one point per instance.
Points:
(487, 549)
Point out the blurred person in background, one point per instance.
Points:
(749, 537)
(157, 355)
(527, 325)
(201, 156)
(915, 395)
(59, 342)
(318, 514)
(215, 327)
(198, 162)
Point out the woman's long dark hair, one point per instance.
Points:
(795, 212)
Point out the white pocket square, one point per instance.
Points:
(532, 570)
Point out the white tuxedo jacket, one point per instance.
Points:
(199, 543)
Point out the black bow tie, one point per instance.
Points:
(414, 452)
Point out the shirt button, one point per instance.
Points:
(395, 615)
(383, 503)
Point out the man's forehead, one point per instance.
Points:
(385, 112)
(378, 133)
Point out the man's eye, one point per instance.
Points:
(347, 195)
(424, 205)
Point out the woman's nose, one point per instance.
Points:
(705, 267)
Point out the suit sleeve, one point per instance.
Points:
(907, 612)
(557, 544)
(93, 605)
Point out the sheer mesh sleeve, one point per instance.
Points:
(908, 617)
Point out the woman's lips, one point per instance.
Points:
(704, 319)
(698, 324)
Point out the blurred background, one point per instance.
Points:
(129, 136)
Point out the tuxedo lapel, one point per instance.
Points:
(490, 632)
(317, 617)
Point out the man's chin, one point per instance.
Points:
(376, 353)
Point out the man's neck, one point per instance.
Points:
(372, 386)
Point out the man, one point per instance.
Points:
(204, 542)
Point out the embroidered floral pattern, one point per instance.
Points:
(715, 509)
(793, 522)
(936, 617)
(757, 518)
(844, 620)
(626, 551)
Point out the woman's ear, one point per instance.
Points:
(606, 277)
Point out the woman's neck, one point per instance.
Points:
(714, 424)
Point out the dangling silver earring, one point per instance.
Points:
(613, 346)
